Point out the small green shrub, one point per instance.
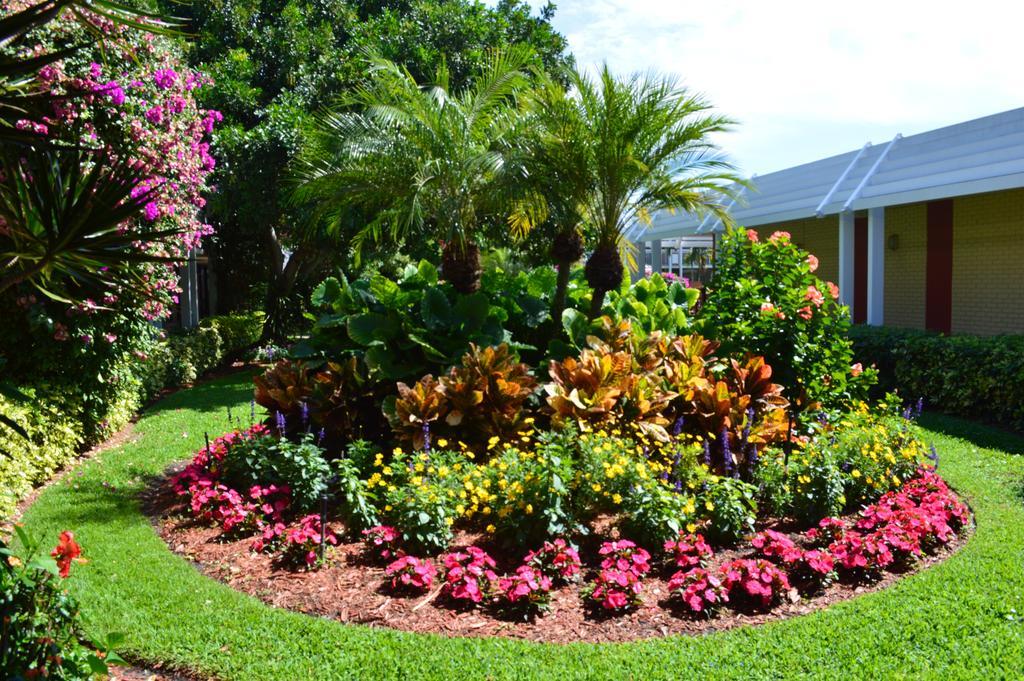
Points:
(269, 460)
(730, 508)
(817, 486)
(655, 512)
(54, 435)
(39, 619)
(533, 492)
(355, 501)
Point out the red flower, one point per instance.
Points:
(67, 550)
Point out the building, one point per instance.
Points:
(924, 231)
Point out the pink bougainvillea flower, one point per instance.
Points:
(805, 312)
(812, 262)
(833, 290)
(752, 235)
(779, 236)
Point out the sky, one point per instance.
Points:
(806, 80)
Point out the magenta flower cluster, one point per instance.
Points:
(260, 513)
(144, 94)
(469, 574)
(382, 541)
(557, 560)
(409, 572)
(620, 581)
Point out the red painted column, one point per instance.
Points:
(938, 310)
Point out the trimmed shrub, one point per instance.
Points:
(972, 376)
(61, 420)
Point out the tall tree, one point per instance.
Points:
(275, 63)
(627, 148)
(417, 156)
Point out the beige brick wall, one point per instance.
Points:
(819, 236)
(905, 267)
(988, 263)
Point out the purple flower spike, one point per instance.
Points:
(280, 424)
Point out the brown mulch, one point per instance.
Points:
(352, 588)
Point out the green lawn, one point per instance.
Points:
(963, 619)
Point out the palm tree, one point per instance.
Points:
(415, 157)
(640, 145)
(560, 173)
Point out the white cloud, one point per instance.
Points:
(809, 79)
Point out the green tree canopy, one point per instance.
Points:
(276, 62)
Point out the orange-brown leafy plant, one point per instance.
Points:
(424, 404)
(487, 395)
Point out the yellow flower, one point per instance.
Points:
(855, 473)
(397, 451)
(490, 529)
(529, 509)
(442, 442)
(596, 487)
(617, 498)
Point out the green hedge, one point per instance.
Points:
(973, 376)
(60, 424)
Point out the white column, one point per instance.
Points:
(656, 256)
(876, 266)
(846, 266)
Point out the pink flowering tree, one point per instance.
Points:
(101, 193)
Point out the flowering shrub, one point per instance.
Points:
(700, 590)
(528, 587)
(788, 318)
(829, 530)
(409, 572)
(557, 560)
(756, 581)
(775, 546)
(689, 551)
(625, 556)
(381, 540)
(302, 542)
(469, 574)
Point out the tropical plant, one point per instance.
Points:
(640, 145)
(412, 325)
(410, 156)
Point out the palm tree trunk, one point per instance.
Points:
(561, 291)
(596, 303)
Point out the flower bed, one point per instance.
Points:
(604, 589)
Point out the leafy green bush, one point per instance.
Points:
(765, 300)
(183, 357)
(972, 376)
(730, 508)
(655, 513)
(269, 460)
(411, 326)
(54, 436)
(817, 487)
(533, 491)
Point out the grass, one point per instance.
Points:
(961, 619)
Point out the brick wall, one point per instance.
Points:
(905, 267)
(988, 263)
